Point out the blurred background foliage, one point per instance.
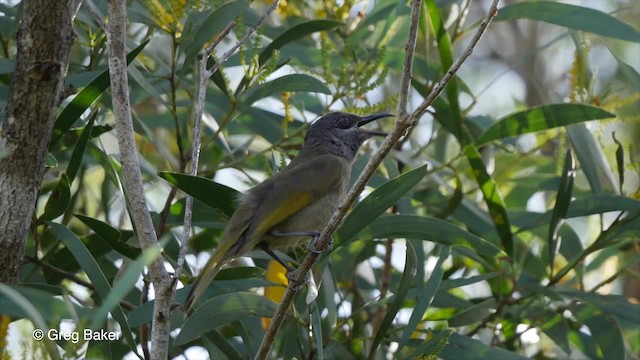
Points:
(505, 225)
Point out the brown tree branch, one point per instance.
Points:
(403, 123)
(132, 178)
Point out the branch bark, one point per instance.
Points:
(404, 122)
(44, 42)
(133, 186)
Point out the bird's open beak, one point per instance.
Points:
(367, 119)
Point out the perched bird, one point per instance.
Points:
(293, 205)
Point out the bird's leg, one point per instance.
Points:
(265, 247)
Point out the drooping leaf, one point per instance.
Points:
(542, 118)
(99, 281)
(215, 195)
(59, 200)
(111, 236)
(212, 25)
(571, 16)
(492, 197)
(293, 82)
(222, 310)
(408, 276)
(378, 202)
(563, 199)
(85, 98)
(427, 228)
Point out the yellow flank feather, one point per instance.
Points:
(293, 203)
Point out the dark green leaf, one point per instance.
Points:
(571, 16)
(492, 197)
(619, 161)
(99, 281)
(294, 82)
(212, 25)
(85, 98)
(563, 198)
(611, 304)
(125, 283)
(462, 347)
(378, 202)
(456, 283)
(606, 331)
(222, 310)
(110, 235)
(215, 195)
(78, 150)
(593, 162)
(297, 32)
(408, 276)
(473, 314)
(542, 118)
(427, 228)
(59, 200)
(425, 295)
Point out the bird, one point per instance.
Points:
(290, 207)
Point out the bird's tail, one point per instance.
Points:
(205, 278)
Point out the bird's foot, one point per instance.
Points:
(297, 285)
(313, 246)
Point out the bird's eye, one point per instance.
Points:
(343, 123)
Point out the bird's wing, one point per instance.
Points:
(236, 226)
(295, 188)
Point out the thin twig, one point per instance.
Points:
(250, 33)
(134, 188)
(96, 15)
(204, 75)
(403, 123)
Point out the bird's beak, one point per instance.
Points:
(367, 119)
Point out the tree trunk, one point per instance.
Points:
(44, 42)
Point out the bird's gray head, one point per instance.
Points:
(339, 134)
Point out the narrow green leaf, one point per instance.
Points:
(555, 326)
(563, 199)
(297, 32)
(445, 48)
(606, 331)
(223, 345)
(39, 324)
(316, 328)
(222, 310)
(492, 197)
(381, 199)
(59, 200)
(473, 314)
(85, 98)
(593, 162)
(45, 300)
(408, 276)
(462, 347)
(619, 162)
(99, 281)
(425, 295)
(627, 73)
(293, 82)
(215, 195)
(78, 150)
(456, 283)
(110, 235)
(125, 283)
(616, 305)
(542, 118)
(427, 228)
(571, 16)
(212, 25)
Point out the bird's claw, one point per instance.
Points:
(297, 285)
(313, 246)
